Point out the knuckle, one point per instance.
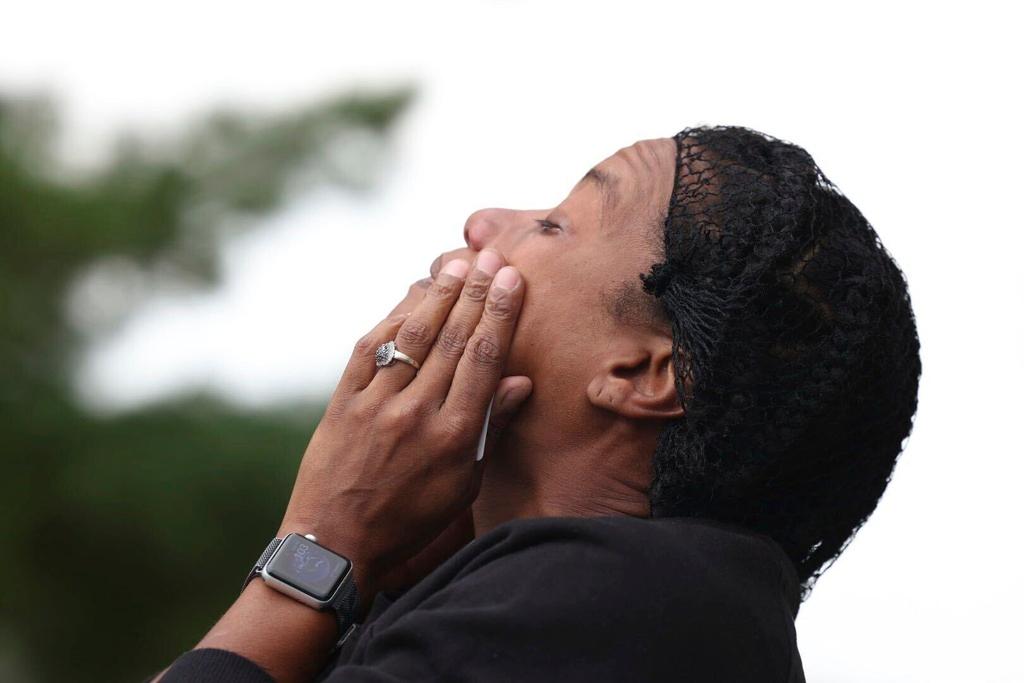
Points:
(451, 341)
(367, 411)
(335, 411)
(457, 427)
(391, 419)
(413, 407)
(416, 291)
(340, 409)
(361, 412)
(501, 306)
(484, 349)
(414, 333)
(444, 288)
(365, 346)
(402, 415)
(476, 288)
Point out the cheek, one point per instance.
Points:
(555, 332)
(532, 335)
(563, 316)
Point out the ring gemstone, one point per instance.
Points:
(385, 354)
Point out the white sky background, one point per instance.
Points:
(912, 112)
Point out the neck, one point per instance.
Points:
(531, 474)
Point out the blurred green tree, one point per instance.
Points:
(124, 537)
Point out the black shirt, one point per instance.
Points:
(574, 599)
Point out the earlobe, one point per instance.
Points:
(638, 382)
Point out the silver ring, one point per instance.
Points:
(387, 354)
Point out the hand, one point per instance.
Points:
(391, 464)
(447, 543)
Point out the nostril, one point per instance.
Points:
(469, 233)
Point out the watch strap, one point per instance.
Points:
(262, 562)
(346, 605)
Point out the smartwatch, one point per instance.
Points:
(303, 569)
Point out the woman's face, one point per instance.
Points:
(575, 259)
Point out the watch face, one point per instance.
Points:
(307, 566)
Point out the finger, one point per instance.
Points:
(418, 331)
(435, 377)
(361, 366)
(508, 400)
(479, 369)
(413, 297)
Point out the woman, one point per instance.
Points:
(703, 365)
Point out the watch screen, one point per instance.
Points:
(307, 566)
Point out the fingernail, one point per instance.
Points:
(456, 267)
(488, 261)
(507, 278)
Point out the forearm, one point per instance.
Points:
(287, 639)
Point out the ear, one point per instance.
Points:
(636, 379)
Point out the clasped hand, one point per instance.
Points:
(391, 464)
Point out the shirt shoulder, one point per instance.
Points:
(676, 558)
(634, 598)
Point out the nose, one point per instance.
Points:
(482, 228)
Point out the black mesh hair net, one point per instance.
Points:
(795, 345)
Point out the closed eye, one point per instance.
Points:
(547, 226)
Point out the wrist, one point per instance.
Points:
(271, 604)
(289, 640)
(365, 567)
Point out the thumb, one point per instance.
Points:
(512, 392)
(510, 395)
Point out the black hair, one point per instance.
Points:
(795, 347)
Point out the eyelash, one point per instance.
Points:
(546, 225)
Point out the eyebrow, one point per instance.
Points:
(599, 176)
(605, 181)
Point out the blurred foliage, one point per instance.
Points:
(126, 536)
